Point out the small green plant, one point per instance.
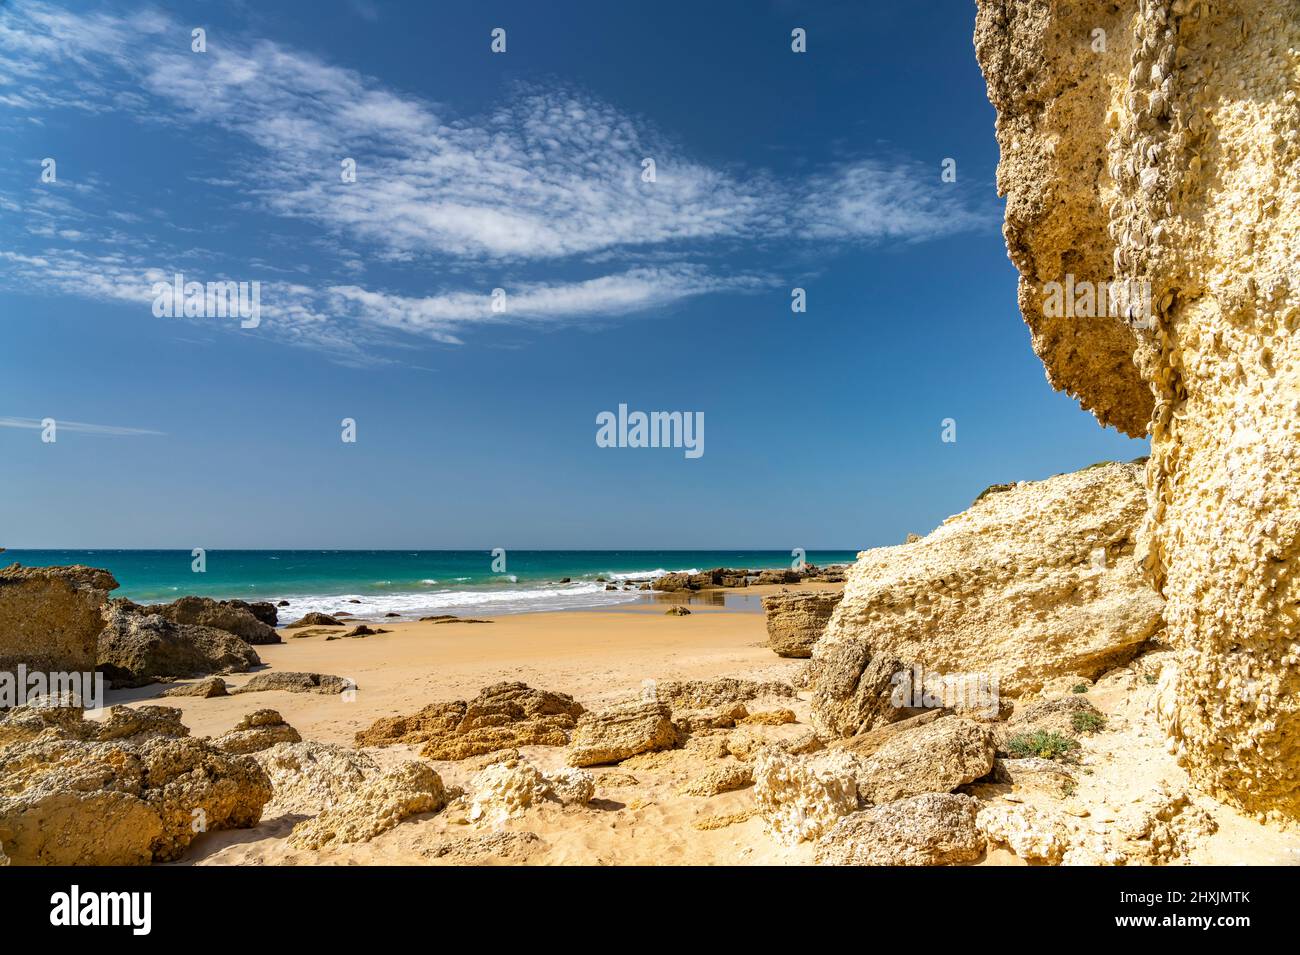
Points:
(1068, 789)
(1079, 688)
(1040, 744)
(1151, 678)
(1085, 722)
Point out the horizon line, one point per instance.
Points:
(426, 550)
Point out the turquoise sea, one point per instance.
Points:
(406, 582)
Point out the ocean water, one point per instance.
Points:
(410, 583)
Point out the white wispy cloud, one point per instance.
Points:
(547, 174)
(547, 177)
(873, 200)
(441, 316)
(78, 427)
(343, 319)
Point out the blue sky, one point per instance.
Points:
(521, 171)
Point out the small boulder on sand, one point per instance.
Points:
(622, 730)
(259, 730)
(720, 779)
(854, 690)
(296, 682)
(934, 758)
(374, 807)
(800, 797)
(929, 829)
(512, 786)
(724, 716)
(205, 688)
(360, 630)
(308, 777)
(1034, 836)
(721, 691)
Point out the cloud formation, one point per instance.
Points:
(79, 427)
(549, 178)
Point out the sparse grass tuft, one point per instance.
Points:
(1040, 744)
(1079, 688)
(1085, 722)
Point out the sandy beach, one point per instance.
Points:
(639, 816)
(596, 656)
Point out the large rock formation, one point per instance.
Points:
(251, 622)
(1158, 141)
(795, 620)
(503, 715)
(125, 791)
(136, 649)
(50, 617)
(704, 580)
(1030, 583)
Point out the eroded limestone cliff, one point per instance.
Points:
(1032, 583)
(49, 616)
(1159, 142)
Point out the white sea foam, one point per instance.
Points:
(574, 596)
(650, 574)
